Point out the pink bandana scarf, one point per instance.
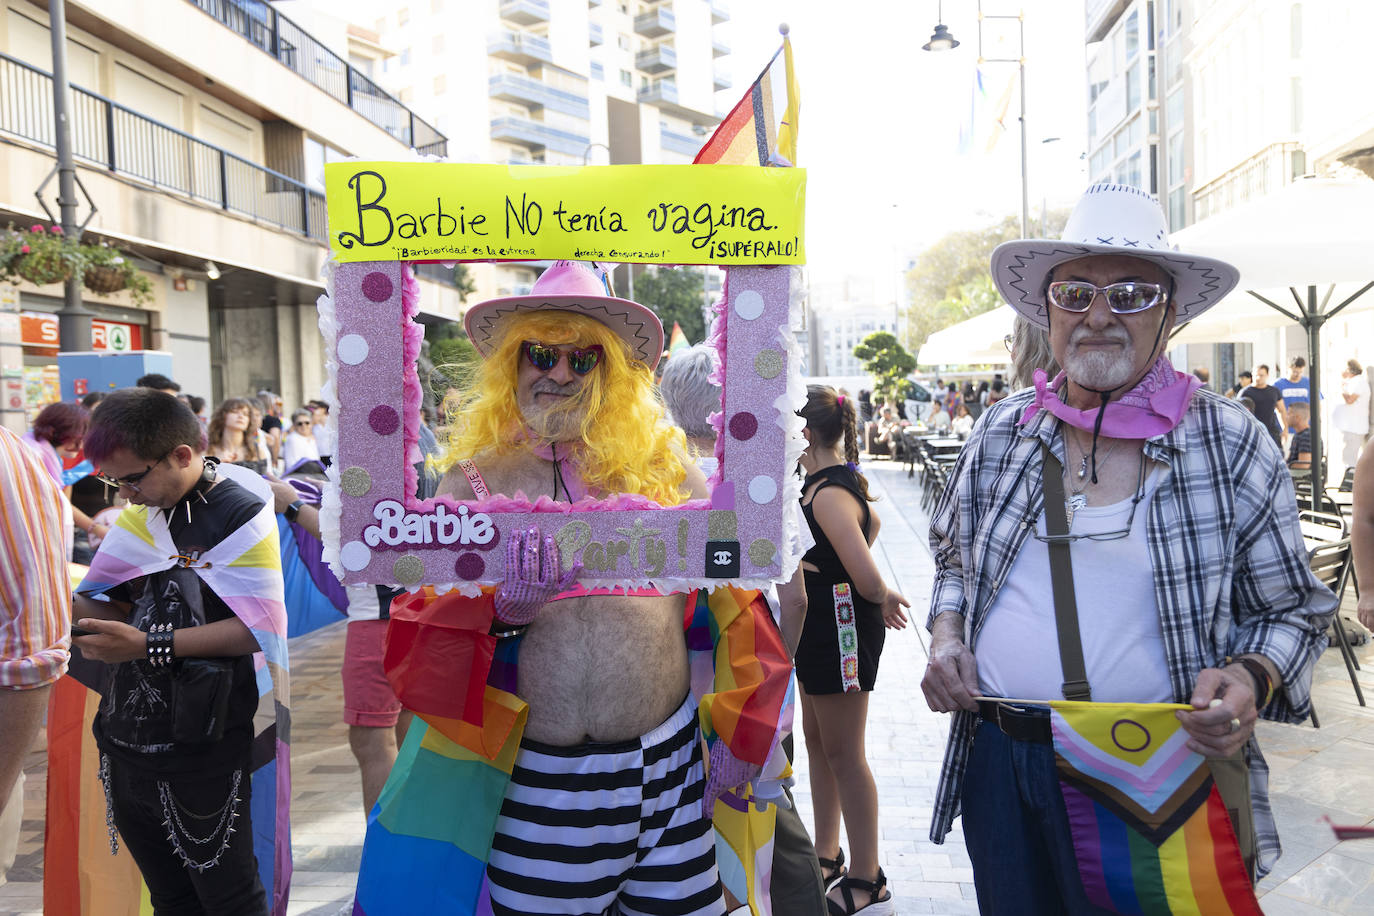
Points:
(1153, 407)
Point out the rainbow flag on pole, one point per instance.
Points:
(1149, 828)
(751, 133)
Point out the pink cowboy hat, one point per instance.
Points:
(571, 286)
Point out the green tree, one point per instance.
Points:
(950, 282)
(887, 361)
(675, 295)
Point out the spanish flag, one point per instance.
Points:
(751, 134)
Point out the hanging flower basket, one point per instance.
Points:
(104, 279)
(43, 267)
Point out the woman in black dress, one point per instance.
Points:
(848, 607)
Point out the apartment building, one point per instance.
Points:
(1139, 114)
(558, 82)
(200, 129)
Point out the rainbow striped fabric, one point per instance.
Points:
(244, 569)
(751, 133)
(429, 836)
(1149, 828)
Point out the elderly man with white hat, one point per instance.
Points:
(1113, 534)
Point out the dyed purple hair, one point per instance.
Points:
(60, 422)
(145, 421)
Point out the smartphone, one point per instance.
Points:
(81, 631)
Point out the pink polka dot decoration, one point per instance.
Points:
(378, 287)
(386, 536)
(743, 425)
(469, 566)
(384, 420)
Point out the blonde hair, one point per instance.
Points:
(626, 445)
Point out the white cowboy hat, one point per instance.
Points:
(1109, 219)
(571, 286)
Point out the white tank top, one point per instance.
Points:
(1118, 618)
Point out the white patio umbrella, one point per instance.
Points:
(975, 341)
(1299, 250)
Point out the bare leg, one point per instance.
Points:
(825, 797)
(375, 750)
(841, 720)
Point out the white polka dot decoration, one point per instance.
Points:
(749, 305)
(762, 489)
(355, 556)
(352, 349)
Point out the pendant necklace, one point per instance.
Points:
(1078, 499)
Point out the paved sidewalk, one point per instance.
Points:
(1315, 772)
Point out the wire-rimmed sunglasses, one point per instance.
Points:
(131, 480)
(581, 360)
(1125, 298)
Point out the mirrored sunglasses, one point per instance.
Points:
(1124, 298)
(581, 360)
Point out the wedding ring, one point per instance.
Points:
(1235, 726)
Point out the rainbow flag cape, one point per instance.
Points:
(80, 878)
(429, 836)
(751, 133)
(1149, 828)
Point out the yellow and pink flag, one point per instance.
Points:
(1150, 831)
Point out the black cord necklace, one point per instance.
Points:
(558, 473)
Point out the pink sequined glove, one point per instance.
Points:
(532, 577)
(727, 772)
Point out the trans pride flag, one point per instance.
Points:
(1149, 828)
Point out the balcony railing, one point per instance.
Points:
(525, 12)
(596, 36)
(535, 135)
(528, 91)
(521, 47)
(297, 50)
(657, 60)
(123, 141)
(720, 79)
(655, 23)
(719, 12)
(719, 48)
(659, 91)
(679, 143)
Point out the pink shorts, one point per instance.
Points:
(368, 698)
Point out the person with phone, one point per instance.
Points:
(181, 595)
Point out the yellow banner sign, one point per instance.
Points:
(664, 214)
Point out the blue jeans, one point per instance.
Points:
(1017, 831)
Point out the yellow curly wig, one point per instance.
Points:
(626, 446)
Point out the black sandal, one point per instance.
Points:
(877, 906)
(832, 870)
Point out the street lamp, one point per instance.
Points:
(943, 41)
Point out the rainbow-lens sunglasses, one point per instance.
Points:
(581, 360)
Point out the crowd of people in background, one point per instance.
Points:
(1284, 408)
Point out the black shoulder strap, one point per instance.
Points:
(1061, 581)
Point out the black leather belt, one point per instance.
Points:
(1017, 723)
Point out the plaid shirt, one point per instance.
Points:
(1230, 569)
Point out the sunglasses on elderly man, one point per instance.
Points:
(581, 360)
(1125, 298)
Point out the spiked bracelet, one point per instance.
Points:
(160, 645)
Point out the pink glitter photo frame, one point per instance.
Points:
(375, 532)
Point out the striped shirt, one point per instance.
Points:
(35, 587)
(1230, 569)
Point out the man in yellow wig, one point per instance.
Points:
(609, 800)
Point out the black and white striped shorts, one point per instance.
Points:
(608, 829)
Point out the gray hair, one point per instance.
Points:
(1030, 350)
(688, 392)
